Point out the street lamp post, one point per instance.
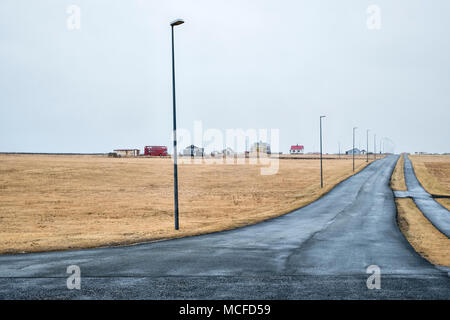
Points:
(175, 164)
(353, 150)
(321, 166)
(381, 145)
(375, 147)
(367, 151)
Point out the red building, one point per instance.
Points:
(155, 151)
(297, 149)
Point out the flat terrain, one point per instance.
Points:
(433, 172)
(50, 202)
(426, 239)
(398, 177)
(321, 251)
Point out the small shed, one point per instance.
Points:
(127, 152)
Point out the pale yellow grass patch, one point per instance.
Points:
(433, 172)
(61, 202)
(421, 234)
(444, 202)
(398, 176)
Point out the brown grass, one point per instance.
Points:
(421, 234)
(398, 176)
(433, 172)
(444, 202)
(59, 202)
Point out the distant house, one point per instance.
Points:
(261, 147)
(353, 151)
(228, 152)
(225, 152)
(193, 151)
(127, 152)
(297, 149)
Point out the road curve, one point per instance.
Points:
(320, 251)
(433, 210)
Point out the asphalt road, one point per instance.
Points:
(321, 251)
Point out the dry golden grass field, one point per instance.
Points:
(428, 241)
(433, 172)
(55, 202)
(398, 176)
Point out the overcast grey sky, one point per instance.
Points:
(240, 64)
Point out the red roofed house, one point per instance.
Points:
(296, 149)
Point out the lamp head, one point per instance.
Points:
(176, 22)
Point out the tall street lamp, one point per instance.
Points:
(367, 151)
(321, 166)
(353, 151)
(175, 164)
(375, 147)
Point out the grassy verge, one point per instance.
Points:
(421, 234)
(433, 172)
(398, 176)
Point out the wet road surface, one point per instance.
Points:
(321, 251)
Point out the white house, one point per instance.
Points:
(127, 152)
(353, 151)
(193, 151)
